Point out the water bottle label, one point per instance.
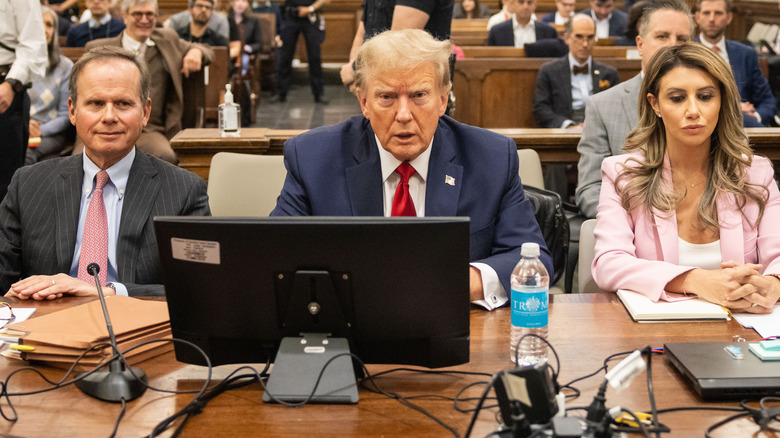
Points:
(529, 308)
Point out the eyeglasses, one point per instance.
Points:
(200, 6)
(137, 15)
(11, 317)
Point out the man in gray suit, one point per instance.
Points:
(611, 115)
(55, 212)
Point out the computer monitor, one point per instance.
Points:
(397, 289)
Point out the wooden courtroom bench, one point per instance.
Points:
(196, 147)
(498, 93)
(512, 52)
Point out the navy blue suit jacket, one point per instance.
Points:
(549, 18)
(618, 23)
(79, 36)
(503, 34)
(336, 171)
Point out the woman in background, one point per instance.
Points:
(470, 9)
(689, 210)
(49, 98)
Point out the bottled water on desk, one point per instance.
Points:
(530, 294)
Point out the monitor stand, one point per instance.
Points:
(298, 365)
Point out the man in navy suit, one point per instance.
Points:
(354, 168)
(609, 21)
(97, 207)
(100, 25)
(521, 29)
(758, 103)
(564, 9)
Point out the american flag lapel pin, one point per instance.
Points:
(449, 180)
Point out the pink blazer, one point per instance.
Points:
(639, 251)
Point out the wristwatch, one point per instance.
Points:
(17, 86)
(112, 286)
(311, 9)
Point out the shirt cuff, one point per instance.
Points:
(495, 295)
(120, 289)
(566, 123)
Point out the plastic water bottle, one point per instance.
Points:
(530, 295)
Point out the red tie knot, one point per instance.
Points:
(102, 179)
(405, 170)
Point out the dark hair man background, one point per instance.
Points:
(521, 29)
(198, 30)
(609, 21)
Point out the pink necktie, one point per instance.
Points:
(94, 242)
(402, 200)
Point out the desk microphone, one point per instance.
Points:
(119, 382)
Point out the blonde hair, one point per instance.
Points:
(400, 50)
(730, 154)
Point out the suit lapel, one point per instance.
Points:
(445, 177)
(365, 195)
(143, 186)
(564, 79)
(630, 99)
(732, 237)
(67, 197)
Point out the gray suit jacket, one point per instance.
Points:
(39, 219)
(609, 118)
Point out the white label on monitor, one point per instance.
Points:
(199, 251)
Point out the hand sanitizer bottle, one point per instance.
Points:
(229, 116)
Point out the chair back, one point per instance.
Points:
(585, 283)
(245, 184)
(530, 168)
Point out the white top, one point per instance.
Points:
(602, 26)
(700, 255)
(524, 34)
(21, 28)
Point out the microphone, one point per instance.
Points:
(120, 382)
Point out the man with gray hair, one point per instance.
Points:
(611, 115)
(168, 57)
(404, 157)
(63, 214)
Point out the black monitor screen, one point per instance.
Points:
(396, 288)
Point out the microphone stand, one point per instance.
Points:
(119, 382)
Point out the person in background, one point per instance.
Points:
(612, 114)
(245, 39)
(522, 29)
(689, 210)
(49, 98)
(217, 21)
(301, 17)
(634, 20)
(100, 25)
(501, 16)
(470, 9)
(610, 22)
(449, 169)
(22, 61)
(197, 30)
(564, 9)
(758, 102)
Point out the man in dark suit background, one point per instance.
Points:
(521, 29)
(59, 210)
(564, 9)
(562, 86)
(758, 103)
(354, 168)
(100, 25)
(609, 21)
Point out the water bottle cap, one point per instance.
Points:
(530, 249)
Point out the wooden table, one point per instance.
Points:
(584, 330)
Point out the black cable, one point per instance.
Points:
(650, 391)
(724, 421)
(119, 418)
(639, 422)
(479, 406)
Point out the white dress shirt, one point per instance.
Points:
(21, 28)
(495, 295)
(602, 26)
(113, 195)
(134, 46)
(524, 34)
(581, 88)
(560, 19)
(499, 18)
(721, 45)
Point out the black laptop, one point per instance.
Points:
(716, 374)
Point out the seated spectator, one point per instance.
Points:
(522, 28)
(634, 20)
(49, 98)
(169, 58)
(245, 39)
(609, 21)
(100, 25)
(504, 14)
(217, 22)
(564, 9)
(197, 30)
(689, 210)
(469, 9)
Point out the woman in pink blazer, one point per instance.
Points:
(689, 210)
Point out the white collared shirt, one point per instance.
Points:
(602, 26)
(103, 21)
(721, 45)
(559, 19)
(495, 295)
(21, 28)
(137, 47)
(113, 195)
(524, 34)
(581, 85)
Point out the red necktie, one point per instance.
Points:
(94, 242)
(402, 201)
(716, 49)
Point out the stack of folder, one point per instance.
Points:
(59, 338)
